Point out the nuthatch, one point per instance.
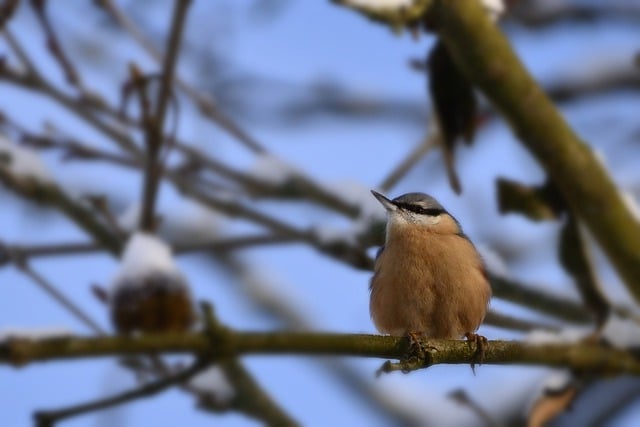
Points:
(429, 279)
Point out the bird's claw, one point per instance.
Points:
(415, 342)
(481, 343)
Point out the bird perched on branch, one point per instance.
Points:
(149, 294)
(429, 280)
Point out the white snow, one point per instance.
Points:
(34, 333)
(358, 194)
(380, 4)
(328, 234)
(271, 169)
(145, 254)
(495, 8)
(621, 333)
(22, 162)
(192, 222)
(632, 203)
(187, 222)
(566, 335)
(214, 382)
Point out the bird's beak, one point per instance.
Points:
(388, 204)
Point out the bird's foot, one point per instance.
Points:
(415, 342)
(417, 356)
(481, 343)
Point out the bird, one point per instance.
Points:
(429, 280)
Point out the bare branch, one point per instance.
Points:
(154, 125)
(206, 106)
(51, 195)
(58, 296)
(49, 417)
(580, 357)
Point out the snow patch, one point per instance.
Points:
(632, 203)
(214, 383)
(495, 8)
(34, 333)
(22, 162)
(357, 194)
(188, 222)
(327, 234)
(621, 333)
(564, 336)
(380, 4)
(271, 169)
(145, 255)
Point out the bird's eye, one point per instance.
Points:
(430, 211)
(422, 211)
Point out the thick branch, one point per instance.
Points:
(488, 60)
(577, 356)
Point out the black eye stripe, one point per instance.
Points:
(420, 210)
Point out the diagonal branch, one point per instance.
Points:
(52, 195)
(48, 418)
(488, 60)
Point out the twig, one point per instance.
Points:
(296, 185)
(7, 10)
(155, 124)
(500, 320)
(54, 45)
(34, 82)
(461, 397)
(56, 249)
(250, 398)
(234, 243)
(49, 417)
(204, 103)
(352, 255)
(574, 256)
(50, 194)
(537, 300)
(430, 141)
(58, 296)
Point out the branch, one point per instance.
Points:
(51, 195)
(155, 124)
(48, 418)
(487, 59)
(579, 357)
(58, 296)
(206, 106)
(250, 398)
